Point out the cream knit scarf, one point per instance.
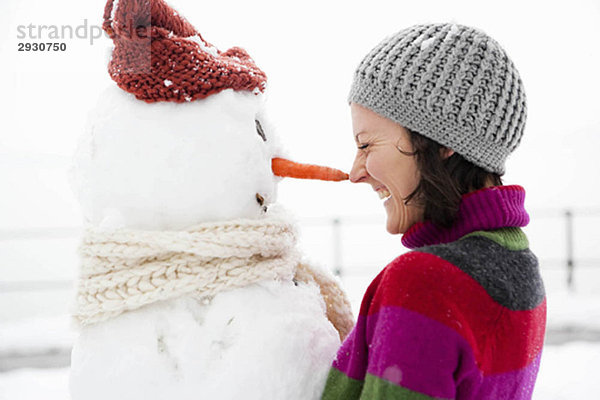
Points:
(124, 270)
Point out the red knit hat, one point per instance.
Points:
(159, 56)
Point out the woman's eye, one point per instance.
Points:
(363, 146)
(259, 130)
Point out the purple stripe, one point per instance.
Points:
(485, 209)
(514, 385)
(351, 358)
(424, 358)
(399, 356)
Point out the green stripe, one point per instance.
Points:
(510, 238)
(377, 388)
(341, 387)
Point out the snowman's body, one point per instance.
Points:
(265, 341)
(166, 167)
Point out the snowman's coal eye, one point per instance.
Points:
(260, 131)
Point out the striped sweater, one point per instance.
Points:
(461, 316)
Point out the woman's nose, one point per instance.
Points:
(358, 172)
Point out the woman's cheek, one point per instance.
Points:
(373, 166)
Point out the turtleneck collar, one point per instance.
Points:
(485, 209)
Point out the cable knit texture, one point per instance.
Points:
(160, 56)
(450, 83)
(126, 269)
(484, 209)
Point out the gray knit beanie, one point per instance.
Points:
(450, 83)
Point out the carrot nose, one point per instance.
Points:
(290, 169)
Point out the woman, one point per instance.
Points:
(436, 109)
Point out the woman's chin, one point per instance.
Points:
(396, 225)
(393, 227)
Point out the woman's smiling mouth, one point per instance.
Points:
(383, 193)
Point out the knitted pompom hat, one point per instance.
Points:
(450, 83)
(159, 56)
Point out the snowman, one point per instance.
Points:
(190, 284)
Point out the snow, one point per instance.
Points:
(114, 9)
(170, 166)
(167, 82)
(207, 48)
(568, 372)
(35, 384)
(555, 380)
(233, 348)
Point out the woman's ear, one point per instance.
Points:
(446, 152)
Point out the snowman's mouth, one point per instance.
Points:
(261, 202)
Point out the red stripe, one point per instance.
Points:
(502, 340)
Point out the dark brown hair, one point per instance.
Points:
(444, 181)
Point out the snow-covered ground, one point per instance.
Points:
(567, 372)
(35, 384)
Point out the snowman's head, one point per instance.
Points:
(167, 166)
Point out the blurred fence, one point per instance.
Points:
(561, 238)
(352, 245)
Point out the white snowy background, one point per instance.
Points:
(309, 50)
